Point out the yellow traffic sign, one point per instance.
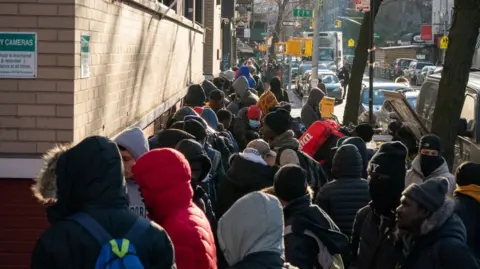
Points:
(308, 44)
(351, 43)
(444, 42)
(294, 47)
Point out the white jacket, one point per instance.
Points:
(414, 175)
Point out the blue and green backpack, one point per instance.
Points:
(115, 253)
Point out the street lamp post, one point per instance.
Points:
(370, 64)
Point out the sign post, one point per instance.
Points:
(18, 55)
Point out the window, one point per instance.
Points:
(167, 3)
(188, 9)
(468, 110)
(199, 11)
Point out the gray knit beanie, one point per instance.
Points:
(430, 194)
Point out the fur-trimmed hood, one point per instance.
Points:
(81, 177)
(441, 224)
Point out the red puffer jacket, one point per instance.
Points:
(164, 179)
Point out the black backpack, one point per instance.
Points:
(315, 174)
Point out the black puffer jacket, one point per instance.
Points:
(243, 177)
(194, 153)
(90, 180)
(442, 243)
(302, 250)
(468, 209)
(373, 241)
(348, 192)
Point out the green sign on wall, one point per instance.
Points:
(303, 13)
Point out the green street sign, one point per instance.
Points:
(303, 13)
(376, 36)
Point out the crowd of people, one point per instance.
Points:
(233, 181)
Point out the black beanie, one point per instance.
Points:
(468, 174)
(347, 162)
(279, 121)
(196, 129)
(431, 142)
(195, 96)
(430, 194)
(290, 182)
(365, 131)
(387, 170)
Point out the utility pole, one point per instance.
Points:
(370, 64)
(316, 14)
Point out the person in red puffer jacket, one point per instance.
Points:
(163, 176)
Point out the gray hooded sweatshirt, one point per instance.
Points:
(253, 224)
(136, 143)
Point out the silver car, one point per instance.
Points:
(426, 70)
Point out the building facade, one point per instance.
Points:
(101, 66)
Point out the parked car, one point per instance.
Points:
(467, 146)
(401, 64)
(332, 84)
(426, 70)
(413, 70)
(378, 98)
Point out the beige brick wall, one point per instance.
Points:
(35, 113)
(137, 63)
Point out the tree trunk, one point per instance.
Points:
(451, 93)
(358, 67)
(278, 26)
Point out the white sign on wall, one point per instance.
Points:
(84, 56)
(18, 55)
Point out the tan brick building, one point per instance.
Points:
(143, 56)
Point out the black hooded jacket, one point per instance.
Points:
(301, 250)
(243, 177)
(88, 178)
(276, 89)
(348, 192)
(194, 152)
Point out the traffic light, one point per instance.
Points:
(338, 24)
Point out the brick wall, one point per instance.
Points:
(138, 62)
(34, 113)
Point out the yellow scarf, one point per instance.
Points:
(471, 190)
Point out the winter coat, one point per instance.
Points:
(467, 207)
(194, 153)
(278, 91)
(243, 97)
(195, 96)
(373, 241)
(260, 86)
(414, 175)
(245, 72)
(301, 250)
(91, 177)
(348, 192)
(250, 233)
(164, 179)
(362, 149)
(311, 110)
(441, 244)
(243, 177)
(241, 128)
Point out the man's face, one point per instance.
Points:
(196, 168)
(128, 162)
(409, 215)
(267, 133)
(216, 104)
